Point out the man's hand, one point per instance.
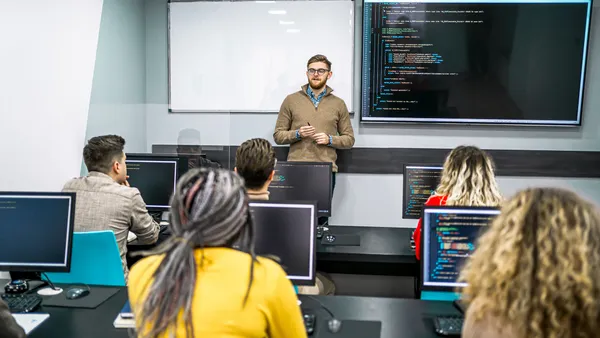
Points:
(125, 183)
(307, 131)
(321, 138)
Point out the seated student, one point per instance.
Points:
(104, 199)
(8, 326)
(535, 271)
(467, 180)
(255, 163)
(197, 285)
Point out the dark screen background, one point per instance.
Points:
(302, 182)
(419, 185)
(154, 180)
(452, 239)
(516, 61)
(284, 232)
(34, 230)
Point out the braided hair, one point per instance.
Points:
(208, 209)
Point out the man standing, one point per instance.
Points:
(314, 121)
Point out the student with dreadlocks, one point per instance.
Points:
(197, 285)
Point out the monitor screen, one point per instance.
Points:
(420, 182)
(287, 231)
(303, 181)
(155, 176)
(449, 238)
(508, 62)
(37, 231)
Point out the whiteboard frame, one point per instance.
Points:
(356, 82)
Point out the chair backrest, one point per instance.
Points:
(95, 260)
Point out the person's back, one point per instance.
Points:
(104, 199)
(534, 273)
(206, 280)
(218, 302)
(467, 180)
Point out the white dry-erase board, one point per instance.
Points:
(246, 56)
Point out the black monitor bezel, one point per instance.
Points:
(405, 183)
(34, 268)
(330, 194)
(302, 282)
(182, 167)
(422, 285)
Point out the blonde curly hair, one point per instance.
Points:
(468, 178)
(537, 268)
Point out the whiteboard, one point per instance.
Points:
(248, 56)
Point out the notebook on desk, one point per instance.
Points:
(124, 319)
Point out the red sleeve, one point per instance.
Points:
(433, 200)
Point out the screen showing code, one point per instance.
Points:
(287, 232)
(420, 183)
(450, 237)
(35, 230)
(156, 181)
(493, 61)
(301, 181)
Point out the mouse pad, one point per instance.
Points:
(345, 240)
(97, 296)
(350, 328)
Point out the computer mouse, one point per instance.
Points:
(76, 293)
(334, 325)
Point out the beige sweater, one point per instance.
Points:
(330, 117)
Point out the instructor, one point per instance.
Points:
(314, 121)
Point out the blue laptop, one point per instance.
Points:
(449, 237)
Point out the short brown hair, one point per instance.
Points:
(255, 161)
(319, 58)
(101, 152)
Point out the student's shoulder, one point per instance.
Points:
(144, 269)
(271, 269)
(434, 200)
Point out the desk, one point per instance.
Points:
(382, 251)
(399, 317)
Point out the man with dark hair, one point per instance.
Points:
(255, 163)
(313, 121)
(105, 201)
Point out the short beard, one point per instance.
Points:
(319, 85)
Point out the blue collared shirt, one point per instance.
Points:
(315, 100)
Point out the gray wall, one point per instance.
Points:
(355, 201)
(118, 99)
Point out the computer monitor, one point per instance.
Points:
(420, 182)
(36, 231)
(287, 230)
(303, 181)
(449, 237)
(155, 176)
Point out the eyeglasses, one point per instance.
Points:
(319, 71)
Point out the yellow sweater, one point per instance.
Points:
(272, 308)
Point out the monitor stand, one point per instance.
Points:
(34, 281)
(321, 230)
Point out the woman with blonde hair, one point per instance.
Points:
(536, 271)
(467, 180)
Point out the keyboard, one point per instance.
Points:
(21, 303)
(449, 326)
(309, 322)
